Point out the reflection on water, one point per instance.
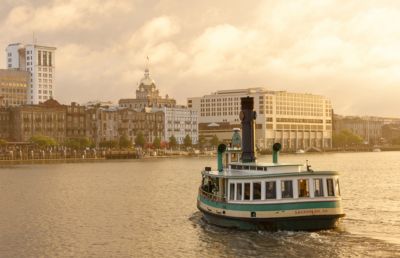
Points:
(148, 208)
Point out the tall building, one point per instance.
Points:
(13, 87)
(147, 95)
(40, 62)
(296, 120)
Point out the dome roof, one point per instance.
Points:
(147, 80)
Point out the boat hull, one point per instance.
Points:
(305, 223)
(309, 222)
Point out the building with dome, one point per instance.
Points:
(147, 95)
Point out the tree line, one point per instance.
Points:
(123, 142)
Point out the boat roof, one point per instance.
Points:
(262, 169)
(246, 174)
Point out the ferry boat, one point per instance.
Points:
(246, 194)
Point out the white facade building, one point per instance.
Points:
(40, 62)
(179, 122)
(296, 120)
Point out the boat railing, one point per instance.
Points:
(211, 196)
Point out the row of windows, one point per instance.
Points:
(283, 189)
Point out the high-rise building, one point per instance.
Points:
(296, 120)
(13, 87)
(40, 62)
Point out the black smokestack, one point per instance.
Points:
(247, 116)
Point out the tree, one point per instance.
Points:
(157, 143)
(109, 144)
(172, 142)
(124, 142)
(346, 138)
(140, 141)
(214, 141)
(187, 141)
(78, 143)
(43, 141)
(202, 141)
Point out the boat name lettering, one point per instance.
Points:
(312, 211)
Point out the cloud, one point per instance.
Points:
(348, 51)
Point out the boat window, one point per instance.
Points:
(247, 191)
(253, 168)
(233, 166)
(246, 167)
(318, 187)
(303, 188)
(260, 168)
(329, 183)
(337, 187)
(257, 191)
(238, 167)
(265, 168)
(239, 191)
(270, 190)
(287, 189)
(231, 191)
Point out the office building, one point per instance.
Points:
(13, 87)
(180, 122)
(39, 61)
(296, 120)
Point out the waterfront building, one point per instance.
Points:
(296, 120)
(149, 122)
(179, 122)
(13, 87)
(75, 121)
(367, 127)
(102, 124)
(47, 119)
(147, 95)
(391, 133)
(5, 121)
(39, 61)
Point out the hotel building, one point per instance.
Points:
(296, 120)
(40, 62)
(13, 87)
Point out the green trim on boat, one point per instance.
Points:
(271, 207)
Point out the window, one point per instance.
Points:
(270, 190)
(40, 57)
(329, 183)
(231, 191)
(287, 189)
(318, 188)
(247, 191)
(257, 191)
(337, 187)
(239, 191)
(303, 188)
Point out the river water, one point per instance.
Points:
(147, 208)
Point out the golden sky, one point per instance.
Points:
(348, 51)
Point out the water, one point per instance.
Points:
(145, 208)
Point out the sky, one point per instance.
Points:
(348, 51)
